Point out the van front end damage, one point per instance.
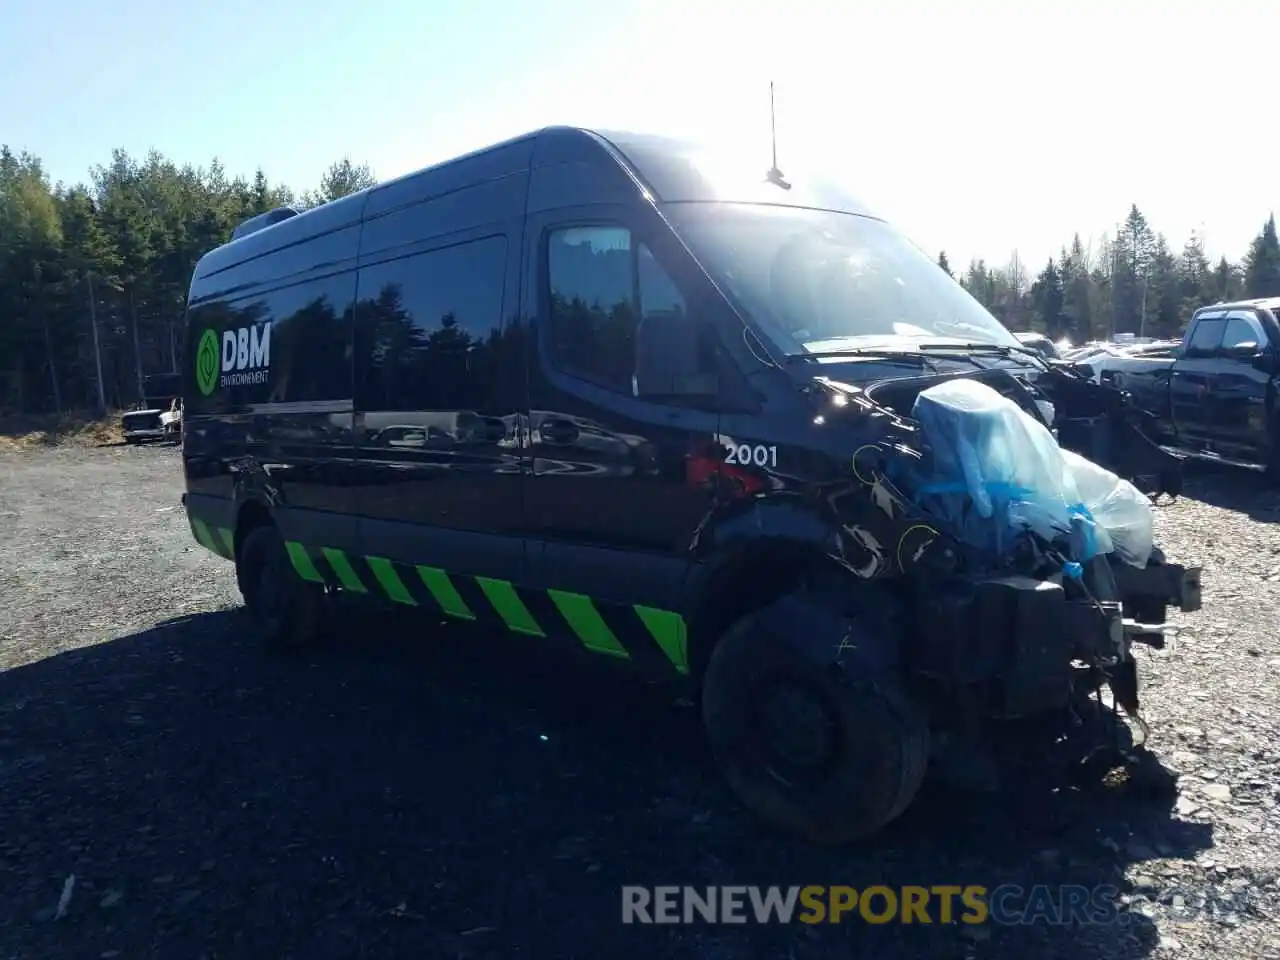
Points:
(1017, 645)
(943, 565)
(1001, 626)
(1100, 421)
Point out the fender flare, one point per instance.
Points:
(780, 517)
(252, 491)
(826, 612)
(740, 534)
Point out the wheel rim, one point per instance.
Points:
(796, 728)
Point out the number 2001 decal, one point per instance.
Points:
(746, 455)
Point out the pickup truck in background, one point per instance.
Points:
(159, 415)
(1215, 397)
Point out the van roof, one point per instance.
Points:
(669, 170)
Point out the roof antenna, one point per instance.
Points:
(774, 175)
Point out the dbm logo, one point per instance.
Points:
(242, 359)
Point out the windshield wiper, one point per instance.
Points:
(873, 353)
(926, 353)
(1045, 363)
(1000, 349)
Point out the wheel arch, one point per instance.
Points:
(251, 513)
(748, 578)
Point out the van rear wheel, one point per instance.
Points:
(824, 756)
(285, 608)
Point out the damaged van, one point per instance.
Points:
(732, 431)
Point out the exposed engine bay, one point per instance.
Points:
(1020, 600)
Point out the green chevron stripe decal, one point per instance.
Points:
(582, 616)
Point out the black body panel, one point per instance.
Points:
(439, 371)
(542, 384)
(610, 481)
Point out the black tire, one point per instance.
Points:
(876, 742)
(286, 609)
(1271, 477)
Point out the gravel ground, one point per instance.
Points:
(415, 791)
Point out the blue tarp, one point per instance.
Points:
(998, 471)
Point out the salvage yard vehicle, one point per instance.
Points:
(159, 415)
(1104, 361)
(752, 441)
(1040, 343)
(1214, 396)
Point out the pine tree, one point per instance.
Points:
(980, 283)
(30, 256)
(1077, 307)
(1262, 263)
(1138, 240)
(1129, 278)
(1225, 282)
(1162, 296)
(942, 262)
(1194, 274)
(340, 180)
(1048, 300)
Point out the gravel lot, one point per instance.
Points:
(420, 791)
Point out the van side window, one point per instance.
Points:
(309, 356)
(428, 328)
(603, 284)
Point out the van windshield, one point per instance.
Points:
(818, 280)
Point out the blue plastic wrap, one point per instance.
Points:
(999, 472)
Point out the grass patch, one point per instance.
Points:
(24, 431)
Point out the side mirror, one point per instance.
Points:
(671, 358)
(1246, 350)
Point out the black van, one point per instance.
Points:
(591, 388)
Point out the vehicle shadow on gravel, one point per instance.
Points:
(1231, 488)
(417, 790)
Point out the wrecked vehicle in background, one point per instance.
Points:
(1042, 344)
(159, 415)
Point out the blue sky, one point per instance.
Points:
(977, 128)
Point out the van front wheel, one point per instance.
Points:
(286, 609)
(822, 755)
